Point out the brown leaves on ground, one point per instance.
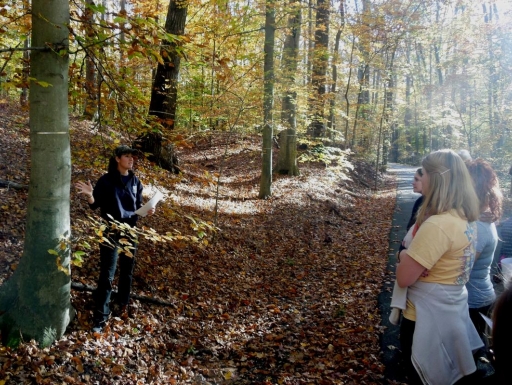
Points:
(285, 292)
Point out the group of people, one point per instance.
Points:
(443, 275)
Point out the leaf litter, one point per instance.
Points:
(285, 292)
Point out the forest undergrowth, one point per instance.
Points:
(283, 292)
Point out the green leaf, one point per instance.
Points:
(43, 84)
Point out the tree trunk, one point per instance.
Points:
(331, 124)
(287, 159)
(35, 301)
(25, 74)
(164, 93)
(268, 100)
(320, 61)
(91, 100)
(287, 162)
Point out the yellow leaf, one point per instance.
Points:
(64, 269)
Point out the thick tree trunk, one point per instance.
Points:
(35, 301)
(164, 93)
(287, 159)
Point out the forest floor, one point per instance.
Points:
(283, 292)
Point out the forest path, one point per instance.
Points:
(405, 199)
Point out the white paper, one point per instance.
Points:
(488, 321)
(151, 204)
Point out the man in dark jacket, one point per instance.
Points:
(118, 194)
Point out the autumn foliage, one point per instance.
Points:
(284, 292)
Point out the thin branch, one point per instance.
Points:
(25, 49)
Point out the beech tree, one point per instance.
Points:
(35, 301)
(268, 100)
(287, 160)
(319, 70)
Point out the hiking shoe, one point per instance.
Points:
(98, 327)
(123, 311)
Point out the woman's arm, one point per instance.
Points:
(408, 270)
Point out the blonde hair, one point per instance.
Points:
(450, 187)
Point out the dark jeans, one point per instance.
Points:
(478, 320)
(406, 335)
(108, 262)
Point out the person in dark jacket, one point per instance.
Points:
(502, 337)
(118, 194)
(417, 188)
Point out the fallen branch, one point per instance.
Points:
(81, 287)
(9, 184)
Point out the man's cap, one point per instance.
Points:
(124, 149)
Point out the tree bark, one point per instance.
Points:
(331, 124)
(287, 159)
(91, 100)
(320, 61)
(268, 101)
(164, 93)
(35, 301)
(287, 162)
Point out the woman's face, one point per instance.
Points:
(424, 181)
(416, 184)
(124, 163)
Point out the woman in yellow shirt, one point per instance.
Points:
(436, 332)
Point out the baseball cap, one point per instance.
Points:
(124, 149)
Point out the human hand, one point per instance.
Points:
(84, 188)
(425, 273)
(151, 211)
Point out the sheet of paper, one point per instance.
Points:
(151, 204)
(488, 321)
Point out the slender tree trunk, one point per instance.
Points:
(35, 301)
(287, 162)
(331, 124)
(389, 95)
(347, 89)
(25, 74)
(268, 100)
(408, 87)
(91, 100)
(319, 72)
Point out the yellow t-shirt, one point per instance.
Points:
(445, 245)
